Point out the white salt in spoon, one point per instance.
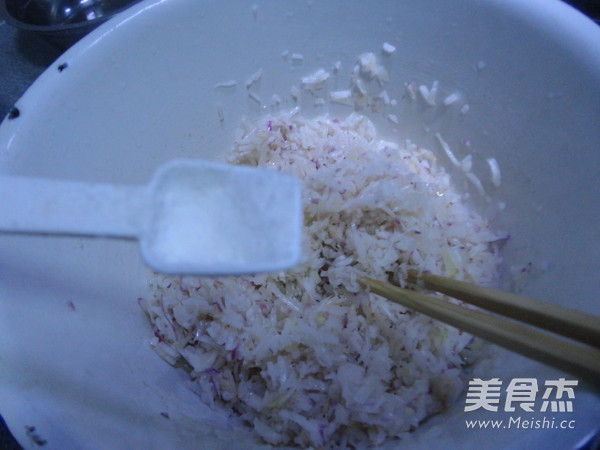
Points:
(194, 217)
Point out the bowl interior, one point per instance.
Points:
(169, 79)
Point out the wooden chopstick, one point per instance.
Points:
(570, 356)
(564, 321)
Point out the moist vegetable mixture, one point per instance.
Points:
(307, 357)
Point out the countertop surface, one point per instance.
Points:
(24, 56)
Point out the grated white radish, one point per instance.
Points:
(306, 357)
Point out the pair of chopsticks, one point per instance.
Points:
(576, 352)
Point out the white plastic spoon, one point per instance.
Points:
(194, 217)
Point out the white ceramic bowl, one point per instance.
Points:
(74, 356)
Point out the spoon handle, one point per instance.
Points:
(44, 206)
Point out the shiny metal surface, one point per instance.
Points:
(64, 21)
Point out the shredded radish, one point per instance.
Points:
(495, 171)
(254, 78)
(306, 357)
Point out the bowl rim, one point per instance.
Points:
(81, 48)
